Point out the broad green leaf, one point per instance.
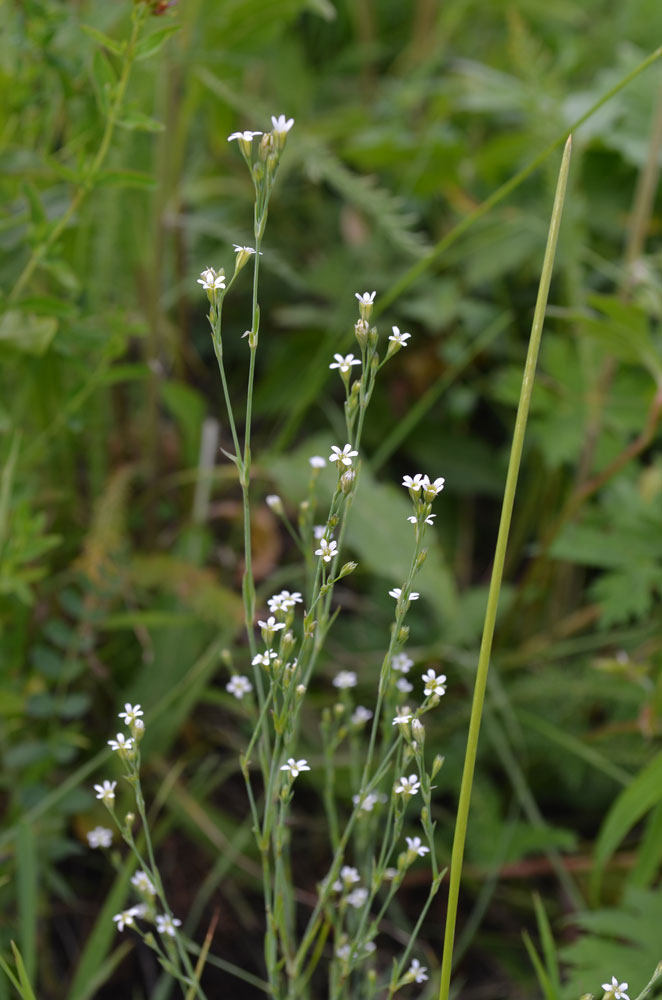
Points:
(148, 46)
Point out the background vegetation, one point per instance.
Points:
(120, 537)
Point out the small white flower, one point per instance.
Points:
(390, 873)
(428, 520)
(210, 280)
(281, 124)
(369, 801)
(165, 924)
(271, 625)
(399, 338)
(616, 989)
(433, 684)
(365, 298)
(402, 719)
(345, 679)
(100, 836)
(417, 972)
(403, 685)
(274, 502)
(121, 743)
(295, 767)
(246, 250)
(130, 713)
(345, 456)
(317, 462)
(408, 786)
(239, 686)
(264, 659)
(246, 136)
(143, 883)
(125, 918)
(397, 593)
(106, 792)
(402, 663)
(432, 489)
(357, 898)
(343, 952)
(416, 846)
(289, 600)
(360, 715)
(327, 550)
(319, 531)
(413, 482)
(344, 363)
(348, 876)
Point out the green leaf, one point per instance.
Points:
(126, 178)
(104, 80)
(148, 46)
(111, 44)
(135, 120)
(26, 883)
(27, 332)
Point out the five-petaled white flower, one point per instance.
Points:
(345, 456)
(130, 713)
(432, 489)
(402, 719)
(271, 625)
(365, 298)
(284, 601)
(408, 786)
(263, 659)
(327, 550)
(121, 743)
(616, 989)
(417, 972)
(345, 679)
(357, 898)
(246, 136)
(416, 846)
(126, 918)
(295, 767)
(143, 883)
(367, 802)
(360, 715)
(397, 594)
(399, 338)
(428, 520)
(348, 876)
(403, 685)
(100, 836)
(239, 686)
(165, 924)
(281, 124)
(402, 663)
(210, 280)
(433, 684)
(106, 792)
(246, 250)
(413, 482)
(344, 363)
(317, 462)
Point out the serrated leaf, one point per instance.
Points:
(108, 43)
(148, 46)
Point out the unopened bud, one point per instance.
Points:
(347, 481)
(421, 558)
(275, 503)
(437, 764)
(300, 690)
(403, 634)
(361, 331)
(348, 568)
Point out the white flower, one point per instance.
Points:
(402, 663)
(345, 456)
(143, 883)
(348, 876)
(345, 679)
(246, 250)
(239, 686)
(317, 462)
(106, 791)
(271, 625)
(402, 719)
(100, 836)
(399, 338)
(284, 601)
(365, 298)
(413, 482)
(416, 846)
(126, 918)
(344, 363)
(357, 898)
(263, 659)
(397, 593)
(408, 786)
(295, 766)
(121, 743)
(369, 801)
(343, 951)
(319, 531)
(428, 520)
(616, 989)
(433, 684)
(327, 550)
(417, 972)
(403, 685)
(246, 136)
(274, 502)
(210, 280)
(431, 490)
(361, 715)
(281, 124)
(390, 873)
(130, 713)
(165, 924)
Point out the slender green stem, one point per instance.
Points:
(497, 574)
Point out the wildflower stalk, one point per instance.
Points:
(497, 575)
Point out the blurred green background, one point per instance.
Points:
(120, 547)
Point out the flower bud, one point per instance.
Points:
(347, 481)
(348, 568)
(437, 764)
(361, 332)
(274, 502)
